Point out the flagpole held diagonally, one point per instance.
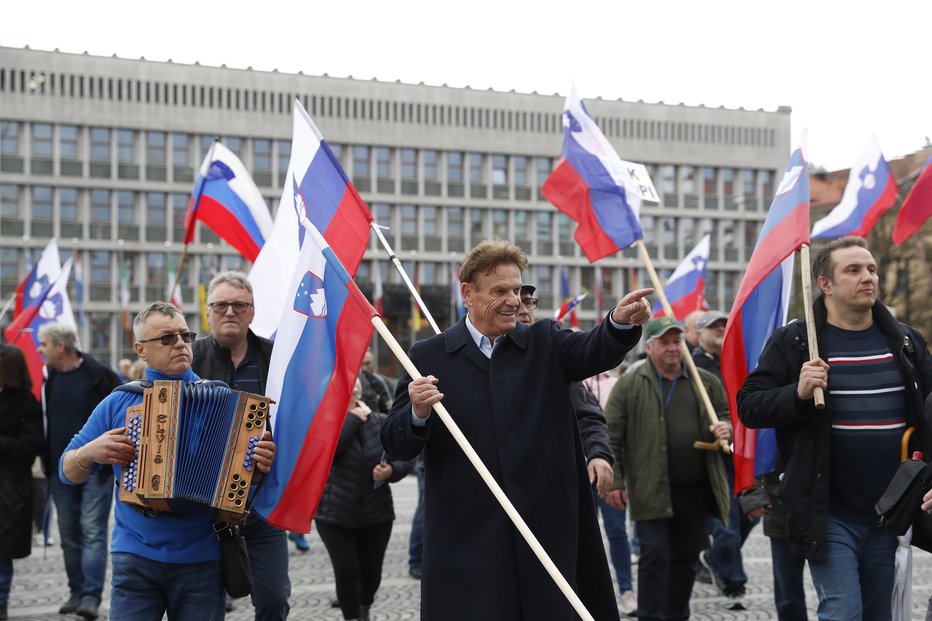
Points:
(197, 200)
(487, 477)
(6, 307)
(817, 394)
(687, 355)
(404, 276)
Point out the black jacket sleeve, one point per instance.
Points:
(593, 429)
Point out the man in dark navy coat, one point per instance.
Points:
(506, 385)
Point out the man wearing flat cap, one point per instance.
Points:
(669, 486)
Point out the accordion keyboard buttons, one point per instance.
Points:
(250, 460)
(131, 472)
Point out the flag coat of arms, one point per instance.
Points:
(316, 187)
(870, 192)
(595, 187)
(226, 199)
(686, 285)
(760, 307)
(322, 337)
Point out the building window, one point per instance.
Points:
(68, 142)
(544, 166)
(520, 163)
(708, 180)
(156, 217)
(728, 181)
(43, 211)
(500, 224)
(262, 155)
(431, 224)
(383, 162)
(476, 229)
(42, 140)
(181, 150)
(500, 169)
(68, 214)
(179, 211)
(521, 230)
(100, 214)
(9, 138)
(155, 148)
(408, 220)
(409, 164)
(430, 164)
(361, 161)
(766, 184)
(688, 179)
(234, 144)
(100, 144)
(455, 166)
(476, 168)
(283, 155)
(126, 145)
(668, 179)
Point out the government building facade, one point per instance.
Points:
(100, 153)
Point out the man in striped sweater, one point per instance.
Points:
(876, 373)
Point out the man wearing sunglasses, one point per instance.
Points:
(160, 562)
(234, 354)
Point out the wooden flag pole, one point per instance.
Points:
(490, 481)
(805, 271)
(7, 305)
(184, 250)
(404, 276)
(687, 355)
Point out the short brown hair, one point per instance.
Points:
(823, 265)
(236, 279)
(14, 374)
(488, 255)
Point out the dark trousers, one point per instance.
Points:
(356, 556)
(268, 558)
(788, 594)
(669, 550)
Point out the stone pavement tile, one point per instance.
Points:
(40, 586)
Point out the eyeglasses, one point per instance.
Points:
(169, 339)
(530, 303)
(221, 307)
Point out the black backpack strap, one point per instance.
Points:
(135, 386)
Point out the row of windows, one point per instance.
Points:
(378, 169)
(206, 96)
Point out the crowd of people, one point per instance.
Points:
(566, 428)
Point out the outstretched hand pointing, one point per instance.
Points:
(633, 308)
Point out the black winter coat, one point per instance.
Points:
(768, 399)
(212, 360)
(350, 499)
(20, 442)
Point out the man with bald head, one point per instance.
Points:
(506, 384)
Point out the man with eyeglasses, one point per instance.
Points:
(234, 354)
(161, 562)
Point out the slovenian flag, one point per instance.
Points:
(316, 187)
(685, 287)
(870, 192)
(322, 337)
(589, 185)
(761, 307)
(49, 303)
(226, 199)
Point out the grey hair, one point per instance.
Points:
(60, 333)
(236, 279)
(162, 308)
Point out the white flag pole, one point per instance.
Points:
(490, 481)
(404, 276)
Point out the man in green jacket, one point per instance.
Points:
(654, 417)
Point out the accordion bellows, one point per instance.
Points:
(195, 443)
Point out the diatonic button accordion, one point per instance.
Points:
(194, 442)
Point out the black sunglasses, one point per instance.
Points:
(169, 339)
(531, 303)
(221, 307)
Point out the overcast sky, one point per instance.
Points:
(845, 72)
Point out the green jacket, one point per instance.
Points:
(637, 431)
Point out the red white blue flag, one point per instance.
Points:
(760, 308)
(686, 285)
(316, 187)
(569, 304)
(226, 199)
(916, 208)
(870, 192)
(595, 187)
(322, 337)
(47, 303)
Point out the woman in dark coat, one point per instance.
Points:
(355, 515)
(20, 441)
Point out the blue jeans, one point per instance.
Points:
(618, 548)
(725, 553)
(268, 558)
(416, 540)
(83, 514)
(789, 597)
(144, 590)
(6, 579)
(854, 579)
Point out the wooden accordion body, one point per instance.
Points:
(194, 442)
